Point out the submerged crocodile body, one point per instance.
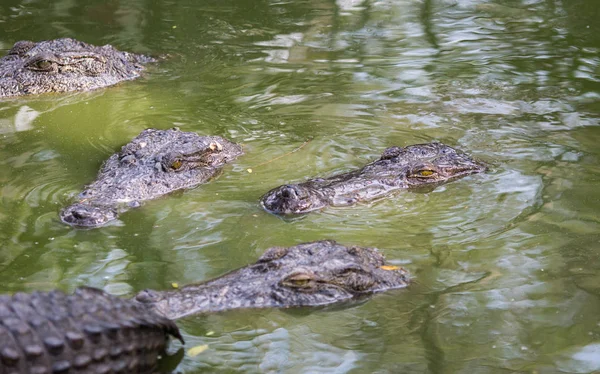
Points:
(153, 164)
(415, 166)
(92, 332)
(63, 65)
(87, 332)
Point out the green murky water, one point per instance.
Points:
(506, 265)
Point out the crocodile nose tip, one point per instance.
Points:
(87, 216)
(79, 213)
(290, 192)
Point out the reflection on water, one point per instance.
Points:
(505, 264)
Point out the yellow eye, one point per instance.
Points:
(425, 173)
(300, 282)
(176, 164)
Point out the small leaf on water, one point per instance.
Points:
(195, 351)
(174, 285)
(390, 267)
(249, 170)
(210, 333)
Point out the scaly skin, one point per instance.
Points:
(309, 274)
(92, 332)
(415, 166)
(153, 164)
(87, 332)
(63, 65)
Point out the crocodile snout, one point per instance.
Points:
(290, 192)
(85, 215)
(291, 199)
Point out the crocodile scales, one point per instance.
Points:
(93, 332)
(411, 167)
(153, 164)
(64, 65)
(86, 332)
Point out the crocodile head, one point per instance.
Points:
(310, 274)
(295, 198)
(153, 164)
(415, 166)
(431, 164)
(63, 65)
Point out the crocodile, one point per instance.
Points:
(86, 332)
(412, 167)
(63, 65)
(309, 274)
(154, 163)
(93, 332)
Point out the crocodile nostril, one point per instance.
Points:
(290, 192)
(79, 213)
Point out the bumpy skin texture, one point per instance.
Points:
(63, 65)
(87, 332)
(415, 166)
(93, 332)
(310, 274)
(153, 164)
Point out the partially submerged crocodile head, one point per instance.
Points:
(153, 164)
(310, 274)
(63, 65)
(415, 166)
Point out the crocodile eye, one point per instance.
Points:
(43, 65)
(425, 173)
(176, 164)
(299, 280)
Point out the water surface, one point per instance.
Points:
(505, 265)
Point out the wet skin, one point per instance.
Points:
(63, 65)
(153, 164)
(309, 274)
(412, 167)
(93, 332)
